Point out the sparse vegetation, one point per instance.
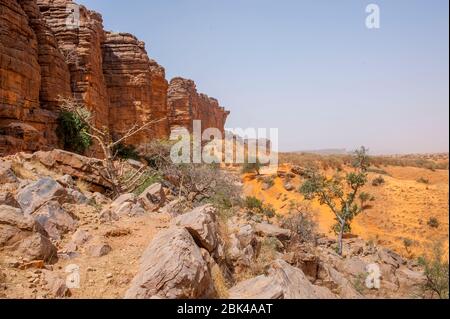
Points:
(376, 170)
(269, 181)
(73, 132)
(341, 189)
(113, 170)
(126, 152)
(359, 283)
(436, 271)
(257, 207)
(378, 181)
(312, 160)
(423, 180)
(433, 222)
(407, 243)
(252, 166)
(300, 222)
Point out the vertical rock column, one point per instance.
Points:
(79, 33)
(185, 105)
(20, 79)
(137, 88)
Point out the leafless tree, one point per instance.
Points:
(114, 171)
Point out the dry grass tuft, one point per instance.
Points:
(220, 283)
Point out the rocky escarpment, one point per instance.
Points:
(81, 47)
(136, 87)
(185, 104)
(33, 73)
(57, 48)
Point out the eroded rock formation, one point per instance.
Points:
(57, 48)
(136, 87)
(185, 104)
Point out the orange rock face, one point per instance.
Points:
(136, 86)
(56, 48)
(32, 72)
(80, 36)
(185, 105)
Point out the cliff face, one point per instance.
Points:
(136, 87)
(80, 42)
(32, 72)
(53, 48)
(185, 105)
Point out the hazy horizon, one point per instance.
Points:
(310, 68)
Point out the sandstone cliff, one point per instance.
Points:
(185, 104)
(53, 48)
(136, 87)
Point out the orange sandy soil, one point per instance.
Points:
(401, 209)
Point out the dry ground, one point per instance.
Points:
(401, 209)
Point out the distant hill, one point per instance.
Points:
(331, 151)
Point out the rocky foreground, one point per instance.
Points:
(62, 239)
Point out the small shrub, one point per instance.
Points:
(378, 181)
(268, 211)
(253, 204)
(423, 180)
(359, 283)
(252, 166)
(269, 181)
(377, 171)
(433, 222)
(126, 152)
(301, 224)
(408, 243)
(436, 271)
(72, 133)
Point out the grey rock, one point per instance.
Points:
(172, 267)
(55, 220)
(153, 198)
(202, 225)
(269, 230)
(38, 193)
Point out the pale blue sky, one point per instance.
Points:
(310, 68)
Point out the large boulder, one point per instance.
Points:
(124, 205)
(172, 267)
(337, 282)
(202, 225)
(295, 284)
(153, 198)
(390, 258)
(282, 282)
(269, 230)
(78, 166)
(243, 247)
(23, 236)
(410, 281)
(55, 220)
(261, 287)
(40, 192)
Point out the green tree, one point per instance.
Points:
(73, 132)
(340, 192)
(252, 166)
